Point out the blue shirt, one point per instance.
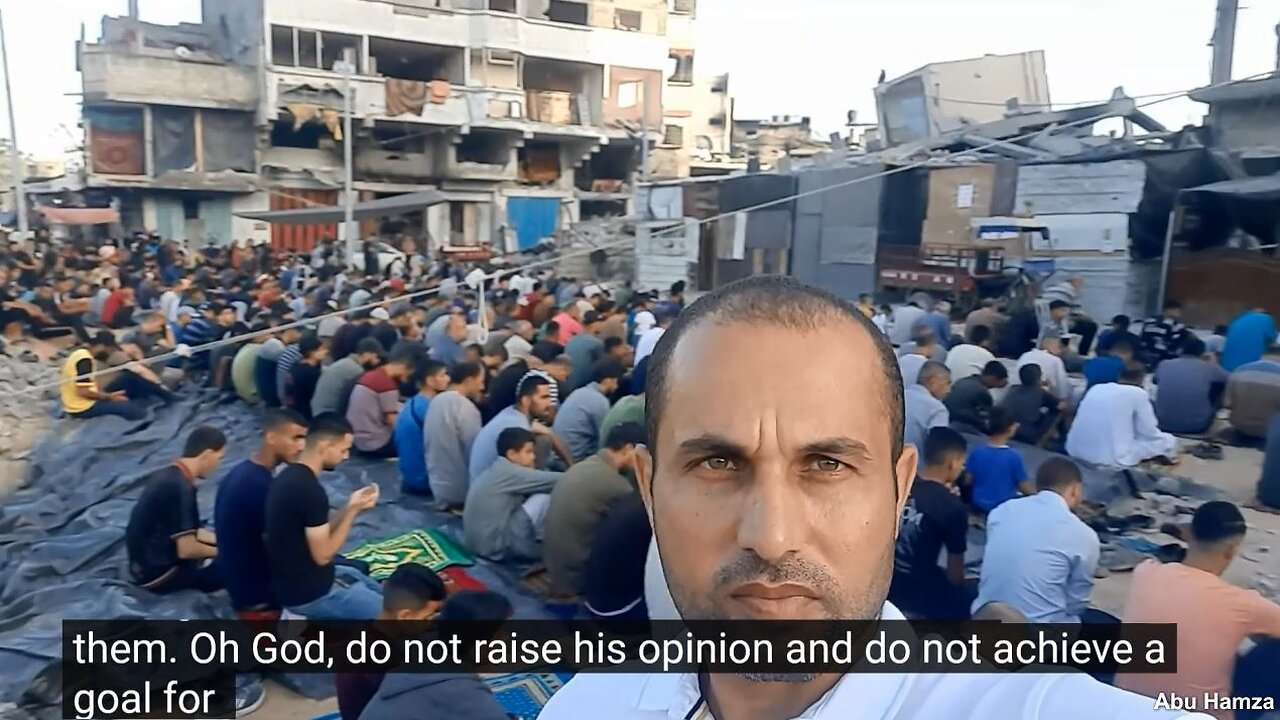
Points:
(410, 447)
(579, 419)
(484, 451)
(447, 350)
(1040, 559)
(996, 472)
(239, 518)
(1103, 369)
(940, 326)
(1267, 366)
(1247, 338)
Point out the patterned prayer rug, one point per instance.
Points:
(523, 694)
(425, 547)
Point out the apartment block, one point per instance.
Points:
(526, 114)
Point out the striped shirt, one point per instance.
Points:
(284, 365)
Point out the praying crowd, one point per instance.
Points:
(519, 406)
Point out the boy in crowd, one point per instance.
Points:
(476, 615)
(409, 435)
(969, 400)
(1034, 409)
(932, 519)
(305, 374)
(412, 594)
(240, 507)
(507, 503)
(168, 549)
(302, 540)
(997, 470)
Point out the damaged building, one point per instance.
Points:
(526, 115)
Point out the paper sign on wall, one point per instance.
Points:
(964, 196)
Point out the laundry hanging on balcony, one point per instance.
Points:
(304, 113)
(405, 97)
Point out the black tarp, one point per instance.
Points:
(228, 141)
(61, 538)
(173, 131)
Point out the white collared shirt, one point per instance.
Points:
(994, 696)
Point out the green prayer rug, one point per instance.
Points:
(424, 547)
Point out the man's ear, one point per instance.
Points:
(904, 476)
(644, 478)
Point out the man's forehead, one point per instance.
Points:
(732, 379)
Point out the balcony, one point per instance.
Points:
(153, 76)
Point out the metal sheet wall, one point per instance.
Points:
(301, 237)
(834, 239)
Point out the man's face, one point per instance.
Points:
(456, 328)
(784, 493)
(227, 317)
(540, 402)
(286, 442)
(369, 361)
(334, 452)
(1058, 314)
(1173, 313)
(524, 457)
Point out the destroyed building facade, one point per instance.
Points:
(526, 114)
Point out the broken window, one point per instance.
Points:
(673, 135)
(627, 20)
(308, 48)
(333, 49)
(282, 48)
(464, 223)
(503, 5)
(190, 208)
(681, 64)
(484, 148)
(629, 94)
(539, 163)
(682, 7)
(415, 61)
(306, 137)
(574, 13)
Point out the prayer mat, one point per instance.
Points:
(457, 579)
(424, 547)
(522, 695)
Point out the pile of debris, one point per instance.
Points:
(600, 249)
(23, 416)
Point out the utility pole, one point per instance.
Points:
(15, 157)
(1224, 41)
(349, 229)
(644, 134)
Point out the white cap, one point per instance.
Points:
(380, 314)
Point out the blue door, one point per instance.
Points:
(534, 219)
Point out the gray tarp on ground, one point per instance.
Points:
(61, 537)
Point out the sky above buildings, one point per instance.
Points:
(818, 58)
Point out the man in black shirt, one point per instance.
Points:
(613, 578)
(302, 541)
(1034, 408)
(168, 549)
(1162, 337)
(932, 519)
(969, 401)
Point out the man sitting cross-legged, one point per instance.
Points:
(168, 549)
(239, 512)
(506, 505)
(302, 541)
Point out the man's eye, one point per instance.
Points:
(718, 464)
(827, 465)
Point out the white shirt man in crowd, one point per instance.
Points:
(970, 358)
(1049, 357)
(781, 500)
(1116, 425)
